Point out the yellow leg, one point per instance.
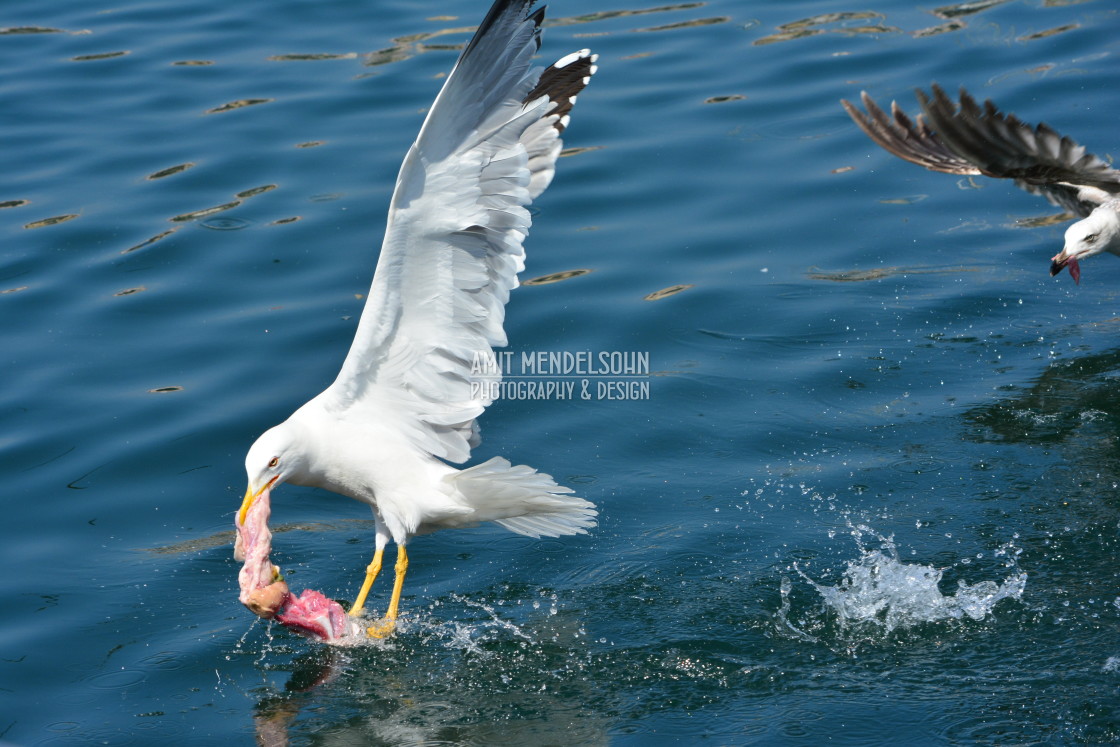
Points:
(371, 573)
(386, 626)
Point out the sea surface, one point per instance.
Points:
(866, 491)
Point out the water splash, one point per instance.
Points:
(878, 593)
(470, 636)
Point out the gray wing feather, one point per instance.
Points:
(973, 139)
(453, 244)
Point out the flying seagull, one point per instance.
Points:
(407, 397)
(974, 140)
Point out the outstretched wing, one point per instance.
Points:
(971, 139)
(452, 247)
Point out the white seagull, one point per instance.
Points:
(406, 399)
(974, 140)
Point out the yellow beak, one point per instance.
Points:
(247, 502)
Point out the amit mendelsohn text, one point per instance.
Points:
(561, 363)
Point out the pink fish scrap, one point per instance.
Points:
(264, 591)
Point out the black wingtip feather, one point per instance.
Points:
(562, 82)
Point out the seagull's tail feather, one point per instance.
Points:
(523, 500)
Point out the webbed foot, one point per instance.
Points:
(382, 629)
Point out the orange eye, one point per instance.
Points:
(274, 461)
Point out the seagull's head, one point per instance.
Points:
(1099, 232)
(273, 459)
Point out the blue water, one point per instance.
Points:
(871, 498)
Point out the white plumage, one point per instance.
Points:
(404, 399)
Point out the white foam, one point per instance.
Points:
(879, 590)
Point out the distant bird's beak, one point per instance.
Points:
(250, 496)
(1061, 261)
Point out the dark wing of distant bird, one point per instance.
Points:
(970, 139)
